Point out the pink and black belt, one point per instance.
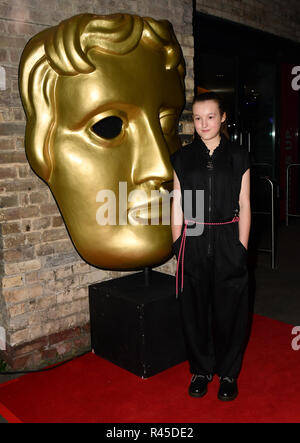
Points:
(182, 246)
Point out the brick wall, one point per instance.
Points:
(43, 293)
(279, 17)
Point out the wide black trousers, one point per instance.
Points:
(215, 302)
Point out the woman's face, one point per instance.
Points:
(207, 119)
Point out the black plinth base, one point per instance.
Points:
(137, 325)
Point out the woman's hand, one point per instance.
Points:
(245, 210)
(176, 211)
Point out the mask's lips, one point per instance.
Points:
(149, 212)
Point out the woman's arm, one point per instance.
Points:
(176, 211)
(245, 209)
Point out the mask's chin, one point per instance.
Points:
(134, 247)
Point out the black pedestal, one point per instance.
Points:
(136, 323)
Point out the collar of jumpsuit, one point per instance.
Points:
(200, 143)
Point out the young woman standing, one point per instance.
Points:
(212, 267)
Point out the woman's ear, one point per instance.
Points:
(224, 117)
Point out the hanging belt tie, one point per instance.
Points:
(182, 246)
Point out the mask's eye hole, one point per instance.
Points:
(108, 127)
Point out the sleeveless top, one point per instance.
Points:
(219, 176)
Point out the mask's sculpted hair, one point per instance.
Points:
(67, 44)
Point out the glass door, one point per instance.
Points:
(218, 73)
(257, 125)
(248, 86)
(257, 108)
(249, 90)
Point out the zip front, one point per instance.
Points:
(210, 168)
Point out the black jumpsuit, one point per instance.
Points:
(214, 301)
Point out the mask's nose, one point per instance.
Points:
(151, 160)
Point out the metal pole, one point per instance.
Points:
(273, 225)
(272, 222)
(147, 275)
(287, 197)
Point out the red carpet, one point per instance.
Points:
(90, 389)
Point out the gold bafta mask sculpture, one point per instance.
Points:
(102, 97)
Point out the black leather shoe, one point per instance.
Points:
(228, 389)
(198, 386)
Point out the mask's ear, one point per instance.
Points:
(37, 88)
